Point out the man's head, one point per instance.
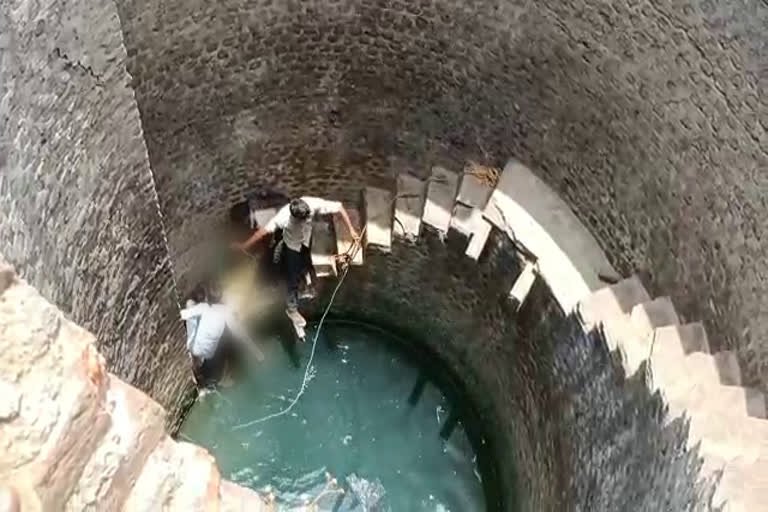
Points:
(198, 294)
(299, 209)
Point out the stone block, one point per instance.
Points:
(200, 481)
(479, 237)
(323, 248)
(743, 486)
(235, 498)
(612, 301)
(137, 427)
(532, 213)
(378, 211)
(674, 371)
(473, 191)
(409, 205)
(441, 194)
(159, 477)
(728, 368)
(7, 276)
(719, 422)
(470, 222)
(523, 285)
(61, 415)
(176, 476)
(464, 218)
(650, 315)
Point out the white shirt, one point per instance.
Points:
(205, 325)
(297, 233)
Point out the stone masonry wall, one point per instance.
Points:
(76, 438)
(77, 206)
(564, 429)
(647, 117)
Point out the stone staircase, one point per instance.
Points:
(76, 438)
(727, 419)
(98, 444)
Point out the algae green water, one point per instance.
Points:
(353, 422)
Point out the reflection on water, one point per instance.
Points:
(353, 423)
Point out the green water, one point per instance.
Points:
(353, 422)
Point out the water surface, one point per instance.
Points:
(353, 422)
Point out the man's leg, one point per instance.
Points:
(202, 371)
(306, 290)
(292, 268)
(223, 359)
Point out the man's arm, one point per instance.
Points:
(192, 312)
(348, 222)
(326, 207)
(278, 220)
(252, 240)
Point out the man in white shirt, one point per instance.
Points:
(295, 219)
(210, 328)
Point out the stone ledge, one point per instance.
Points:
(137, 427)
(75, 438)
(570, 259)
(59, 413)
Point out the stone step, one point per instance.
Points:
(728, 368)
(441, 194)
(344, 240)
(681, 340)
(674, 345)
(697, 375)
(612, 301)
(464, 219)
(138, 425)
(722, 428)
(176, 476)
(523, 285)
(534, 215)
(473, 191)
(638, 334)
(470, 222)
(409, 206)
(680, 377)
(743, 486)
(323, 248)
(478, 239)
(54, 391)
(7, 276)
(201, 481)
(649, 315)
(611, 307)
(378, 211)
(235, 498)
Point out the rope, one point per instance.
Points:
(350, 255)
(305, 379)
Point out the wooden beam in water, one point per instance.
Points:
(418, 390)
(450, 423)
